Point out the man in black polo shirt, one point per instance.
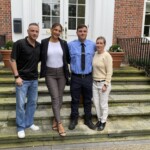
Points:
(24, 63)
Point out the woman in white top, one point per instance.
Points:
(102, 73)
(54, 67)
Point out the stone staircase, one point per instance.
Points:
(129, 113)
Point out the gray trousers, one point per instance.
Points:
(55, 81)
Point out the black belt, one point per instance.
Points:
(82, 75)
(100, 81)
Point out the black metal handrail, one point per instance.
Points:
(137, 52)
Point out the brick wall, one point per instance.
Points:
(5, 19)
(128, 18)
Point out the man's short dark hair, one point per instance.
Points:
(81, 26)
(34, 24)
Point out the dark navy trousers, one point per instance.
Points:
(81, 85)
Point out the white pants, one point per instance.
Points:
(100, 100)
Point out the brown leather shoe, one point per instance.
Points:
(61, 130)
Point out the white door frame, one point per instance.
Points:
(71, 34)
(99, 18)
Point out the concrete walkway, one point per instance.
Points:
(127, 145)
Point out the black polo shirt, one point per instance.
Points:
(27, 58)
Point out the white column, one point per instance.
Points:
(36, 15)
(103, 19)
(29, 11)
(17, 13)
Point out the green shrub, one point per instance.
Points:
(9, 45)
(115, 48)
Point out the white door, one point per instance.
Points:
(70, 13)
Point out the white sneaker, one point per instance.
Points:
(21, 134)
(34, 127)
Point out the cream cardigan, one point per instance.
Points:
(102, 67)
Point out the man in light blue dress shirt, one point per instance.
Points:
(81, 78)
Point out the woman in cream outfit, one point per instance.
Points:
(102, 73)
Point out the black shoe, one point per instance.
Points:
(90, 124)
(98, 124)
(101, 126)
(73, 124)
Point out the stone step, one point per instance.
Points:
(115, 129)
(5, 71)
(131, 80)
(123, 70)
(129, 111)
(7, 81)
(128, 72)
(119, 89)
(45, 114)
(114, 100)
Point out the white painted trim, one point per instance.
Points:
(90, 15)
(100, 18)
(103, 20)
(143, 18)
(144, 10)
(16, 13)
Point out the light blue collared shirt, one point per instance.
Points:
(75, 55)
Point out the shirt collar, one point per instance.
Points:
(85, 42)
(36, 43)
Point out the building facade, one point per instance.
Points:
(110, 18)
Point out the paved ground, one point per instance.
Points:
(128, 145)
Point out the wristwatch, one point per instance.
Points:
(16, 76)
